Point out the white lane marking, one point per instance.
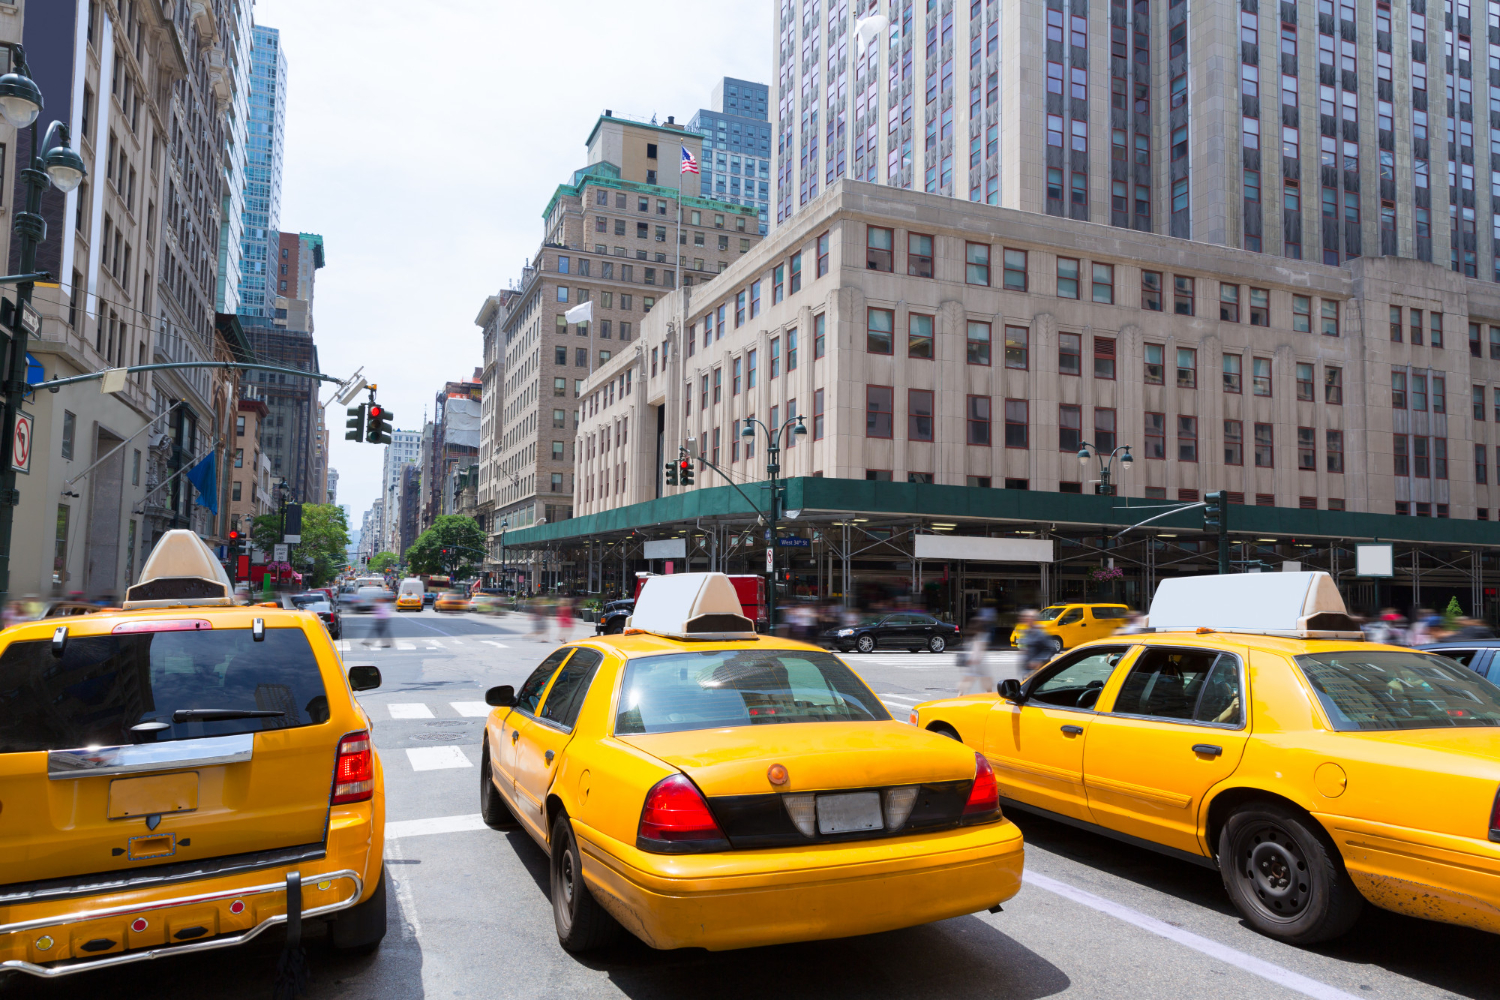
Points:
(409, 710)
(342, 645)
(436, 824)
(437, 758)
(412, 925)
(908, 702)
(456, 642)
(434, 643)
(1213, 949)
(404, 645)
(497, 645)
(471, 709)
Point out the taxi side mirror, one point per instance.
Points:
(1010, 690)
(364, 678)
(503, 696)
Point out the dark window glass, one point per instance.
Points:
(1196, 684)
(565, 698)
(1378, 690)
(531, 691)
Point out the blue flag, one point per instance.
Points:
(205, 479)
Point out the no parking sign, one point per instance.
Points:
(20, 453)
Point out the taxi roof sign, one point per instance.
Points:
(181, 572)
(1307, 605)
(702, 606)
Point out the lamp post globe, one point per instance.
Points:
(64, 167)
(1127, 459)
(20, 99)
(1083, 456)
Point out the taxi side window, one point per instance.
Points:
(531, 691)
(1075, 615)
(565, 699)
(1077, 681)
(1198, 685)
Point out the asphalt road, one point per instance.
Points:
(470, 914)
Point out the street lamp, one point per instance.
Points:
(1106, 464)
(504, 524)
(792, 425)
(52, 163)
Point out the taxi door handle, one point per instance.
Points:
(515, 734)
(1072, 730)
(1207, 749)
(549, 755)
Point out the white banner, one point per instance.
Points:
(666, 548)
(954, 547)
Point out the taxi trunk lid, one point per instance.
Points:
(102, 775)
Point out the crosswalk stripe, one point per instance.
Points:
(342, 645)
(497, 645)
(434, 642)
(409, 710)
(471, 709)
(437, 824)
(405, 645)
(900, 698)
(437, 758)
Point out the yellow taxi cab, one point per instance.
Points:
(182, 775)
(1071, 624)
(451, 600)
(409, 595)
(1252, 730)
(703, 786)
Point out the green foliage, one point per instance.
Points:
(464, 540)
(325, 535)
(1453, 612)
(384, 562)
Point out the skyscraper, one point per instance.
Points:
(238, 44)
(737, 158)
(262, 212)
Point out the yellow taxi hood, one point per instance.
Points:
(816, 755)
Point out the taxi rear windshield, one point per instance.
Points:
(682, 691)
(115, 690)
(1399, 690)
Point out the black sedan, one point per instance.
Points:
(1480, 655)
(318, 604)
(612, 617)
(911, 630)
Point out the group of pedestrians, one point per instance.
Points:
(1425, 626)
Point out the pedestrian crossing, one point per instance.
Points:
(421, 710)
(1000, 663)
(408, 645)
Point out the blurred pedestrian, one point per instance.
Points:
(1135, 624)
(564, 618)
(1422, 622)
(1470, 629)
(974, 657)
(382, 629)
(1036, 644)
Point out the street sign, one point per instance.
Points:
(20, 446)
(280, 555)
(1374, 560)
(794, 543)
(770, 560)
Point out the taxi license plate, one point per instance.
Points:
(849, 813)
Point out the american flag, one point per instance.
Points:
(689, 164)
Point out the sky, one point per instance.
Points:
(423, 142)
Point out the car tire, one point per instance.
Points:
(493, 808)
(615, 627)
(1285, 875)
(865, 644)
(1056, 644)
(360, 929)
(943, 729)
(937, 644)
(582, 924)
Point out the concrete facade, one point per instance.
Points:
(1280, 406)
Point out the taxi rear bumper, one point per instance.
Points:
(222, 919)
(744, 899)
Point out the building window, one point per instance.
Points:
(1104, 357)
(1301, 313)
(1229, 303)
(1234, 442)
(919, 414)
(1261, 376)
(1067, 277)
(879, 410)
(1264, 450)
(1070, 354)
(1182, 296)
(754, 299)
(1421, 461)
(1151, 290)
(1481, 464)
(818, 426)
(977, 264)
(1398, 394)
(1015, 270)
(878, 249)
(979, 343)
(1187, 439)
(1017, 347)
(795, 267)
(919, 336)
(1333, 388)
(1418, 335)
(1017, 422)
(1156, 435)
(820, 336)
(919, 255)
(1335, 442)
(1155, 364)
(1069, 427)
(1232, 373)
(1260, 307)
(1104, 283)
(1397, 323)
(1187, 368)
(1331, 318)
(791, 350)
(1402, 463)
(1307, 449)
(879, 332)
(822, 255)
(1435, 320)
(775, 357)
(1476, 398)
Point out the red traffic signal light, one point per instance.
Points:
(375, 411)
(234, 536)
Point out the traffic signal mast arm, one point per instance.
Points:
(689, 456)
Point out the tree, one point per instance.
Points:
(463, 539)
(383, 562)
(1452, 613)
(325, 536)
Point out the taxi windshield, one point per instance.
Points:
(1048, 614)
(1399, 690)
(115, 690)
(676, 692)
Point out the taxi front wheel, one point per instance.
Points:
(492, 807)
(582, 924)
(1285, 876)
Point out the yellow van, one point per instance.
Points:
(1071, 624)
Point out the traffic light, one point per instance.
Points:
(685, 471)
(380, 425)
(1213, 512)
(356, 423)
(671, 473)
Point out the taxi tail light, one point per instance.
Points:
(354, 770)
(676, 819)
(984, 797)
(1495, 819)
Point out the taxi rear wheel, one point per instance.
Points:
(492, 808)
(1285, 876)
(582, 924)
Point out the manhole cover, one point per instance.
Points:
(448, 723)
(439, 737)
